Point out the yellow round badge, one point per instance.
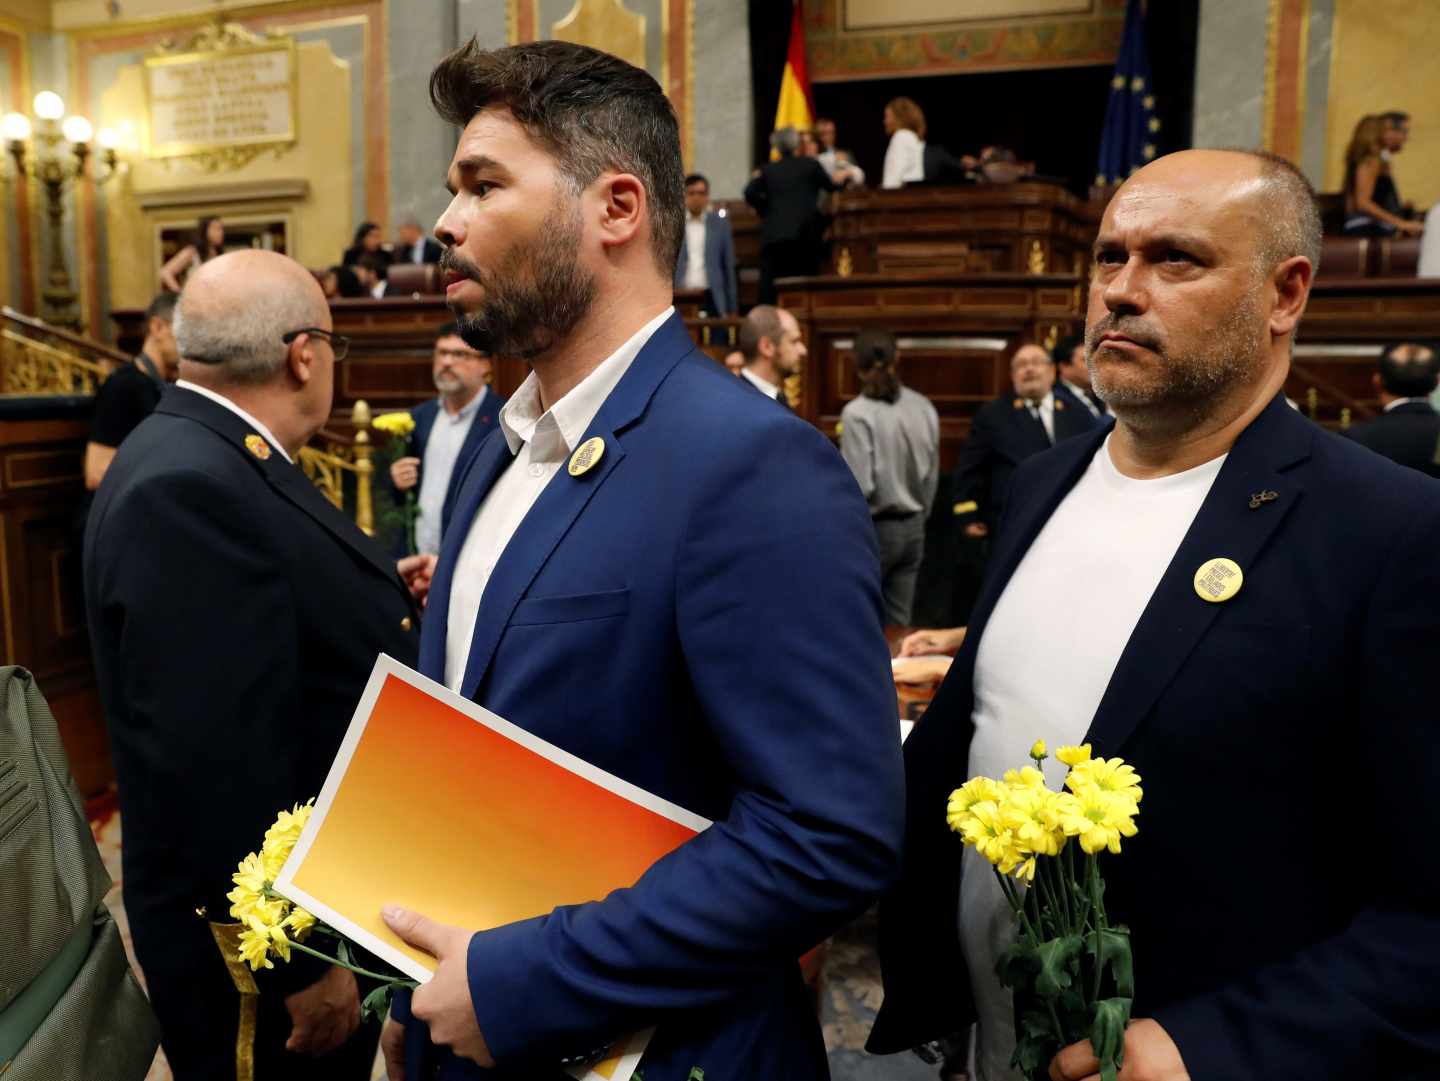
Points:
(257, 446)
(586, 455)
(1218, 580)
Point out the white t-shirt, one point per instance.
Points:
(1043, 664)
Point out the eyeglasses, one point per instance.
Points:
(338, 342)
(459, 354)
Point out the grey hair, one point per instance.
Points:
(1292, 215)
(785, 141)
(242, 344)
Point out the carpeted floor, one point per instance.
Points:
(850, 997)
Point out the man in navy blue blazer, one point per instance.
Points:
(622, 578)
(467, 411)
(707, 251)
(1258, 629)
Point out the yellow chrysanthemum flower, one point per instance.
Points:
(1096, 818)
(1025, 871)
(394, 423)
(984, 830)
(973, 791)
(1025, 777)
(1032, 816)
(280, 838)
(299, 922)
(1110, 775)
(255, 949)
(1037, 749)
(1073, 756)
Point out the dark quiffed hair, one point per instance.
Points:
(1065, 348)
(875, 364)
(697, 178)
(763, 321)
(591, 111)
(1414, 377)
(162, 307)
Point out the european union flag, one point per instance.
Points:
(1131, 126)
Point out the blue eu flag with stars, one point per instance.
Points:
(1131, 126)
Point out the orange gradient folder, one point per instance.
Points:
(436, 804)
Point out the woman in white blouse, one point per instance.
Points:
(905, 157)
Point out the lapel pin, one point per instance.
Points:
(1019, 403)
(1259, 499)
(1059, 405)
(257, 446)
(586, 455)
(1218, 580)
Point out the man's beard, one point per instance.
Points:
(449, 383)
(1191, 379)
(536, 293)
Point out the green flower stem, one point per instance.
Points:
(1099, 921)
(1052, 902)
(397, 980)
(1017, 905)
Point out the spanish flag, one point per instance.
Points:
(796, 108)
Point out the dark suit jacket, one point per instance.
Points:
(1408, 434)
(485, 422)
(401, 253)
(786, 195)
(634, 619)
(234, 617)
(719, 263)
(1002, 435)
(1277, 935)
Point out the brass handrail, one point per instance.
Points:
(29, 367)
(327, 467)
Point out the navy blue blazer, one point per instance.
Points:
(719, 263)
(1282, 891)
(1003, 434)
(710, 631)
(485, 422)
(1408, 434)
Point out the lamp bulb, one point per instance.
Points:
(15, 127)
(77, 130)
(49, 105)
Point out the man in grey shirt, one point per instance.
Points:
(890, 437)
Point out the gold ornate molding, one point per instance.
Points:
(606, 25)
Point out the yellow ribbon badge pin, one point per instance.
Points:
(1218, 580)
(586, 455)
(257, 446)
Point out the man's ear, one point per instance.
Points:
(300, 360)
(766, 346)
(623, 208)
(1291, 282)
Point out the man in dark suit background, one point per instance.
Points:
(413, 246)
(707, 251)
(465, 413)
(1408, 430)
(1074, 374)
(1241, 605)
(1008, 430)
(234, 615)
(786, 195)
(772, 349)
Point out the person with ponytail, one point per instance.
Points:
(890, 438)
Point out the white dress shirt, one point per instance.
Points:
(695, 276)
(541, 443)
(1044, 412)
(220, 399)
(831, 161)
(770, 389)
(904, 159)
(442, 450)
(1402, 401)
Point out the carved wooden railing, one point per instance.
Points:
(331, 456)
(37, 359)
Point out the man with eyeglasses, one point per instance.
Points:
(448, 431)
(234, 615)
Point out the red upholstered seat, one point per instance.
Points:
(409, 279)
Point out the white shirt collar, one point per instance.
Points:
(571, 415)
(220, 399)
(1401, 401)
(764, 384)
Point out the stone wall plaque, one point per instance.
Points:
(200, 103)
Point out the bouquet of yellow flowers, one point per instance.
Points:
(398, 427)
(1070, 970)
(275, 925)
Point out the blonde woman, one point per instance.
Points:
(905, 156)
(1372, 202)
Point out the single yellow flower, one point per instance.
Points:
(1037, 749)
(250, 882)
(1073, 756)
(1096, 818)
(1025, 777)
(299, 922)
(1025, 872)
(984, 830)
(1032, 816)
(1111, 775)
(394, 423)
(280, 838)
(255, 949)
(973, 791)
